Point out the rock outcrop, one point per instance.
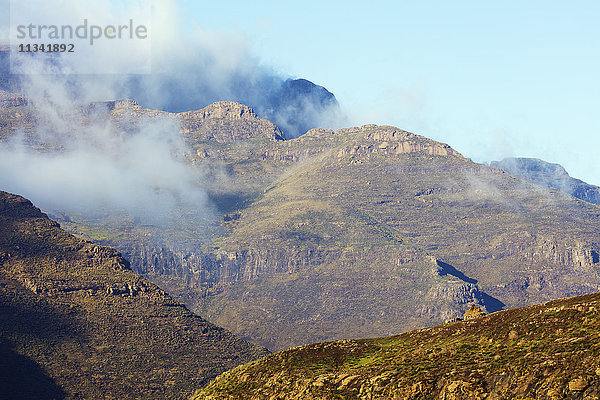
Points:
(390, 140)
(224, 122)
(10, 100)
(473, 312)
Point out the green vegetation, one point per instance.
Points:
(547, 351)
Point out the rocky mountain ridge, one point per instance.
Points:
(78, 323)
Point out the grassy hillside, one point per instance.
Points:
(78, 323)
(547, 351)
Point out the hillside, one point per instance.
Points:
(374, 230)
(552, 176)
(360, 232)
(548, 351)
(78, 323)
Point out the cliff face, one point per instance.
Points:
(372, 205)
(548, 351)
(346, 223)
(77, 322)
(387, 140)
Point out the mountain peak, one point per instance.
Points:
(222, 109)
(300, 105)
(227, 121)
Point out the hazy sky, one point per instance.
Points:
(492, 79)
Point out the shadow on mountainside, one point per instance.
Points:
(230, 202)
(22, 378)
(25, 316)
(447, 269)
(492, 304)
(33, 326)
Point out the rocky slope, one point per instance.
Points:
(552, 176)
(374, 230)
(78, 323)
(374, 226)
(548, 351)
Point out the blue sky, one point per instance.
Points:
(492, 79)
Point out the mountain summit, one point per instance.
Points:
(300, 105)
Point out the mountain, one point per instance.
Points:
(372, 230)
(295, 105)
(361, 232)
(78, 323)
(547, 351)
(552, 176)
(299, 105)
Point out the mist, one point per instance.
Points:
(79, 162)
(182, 67)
